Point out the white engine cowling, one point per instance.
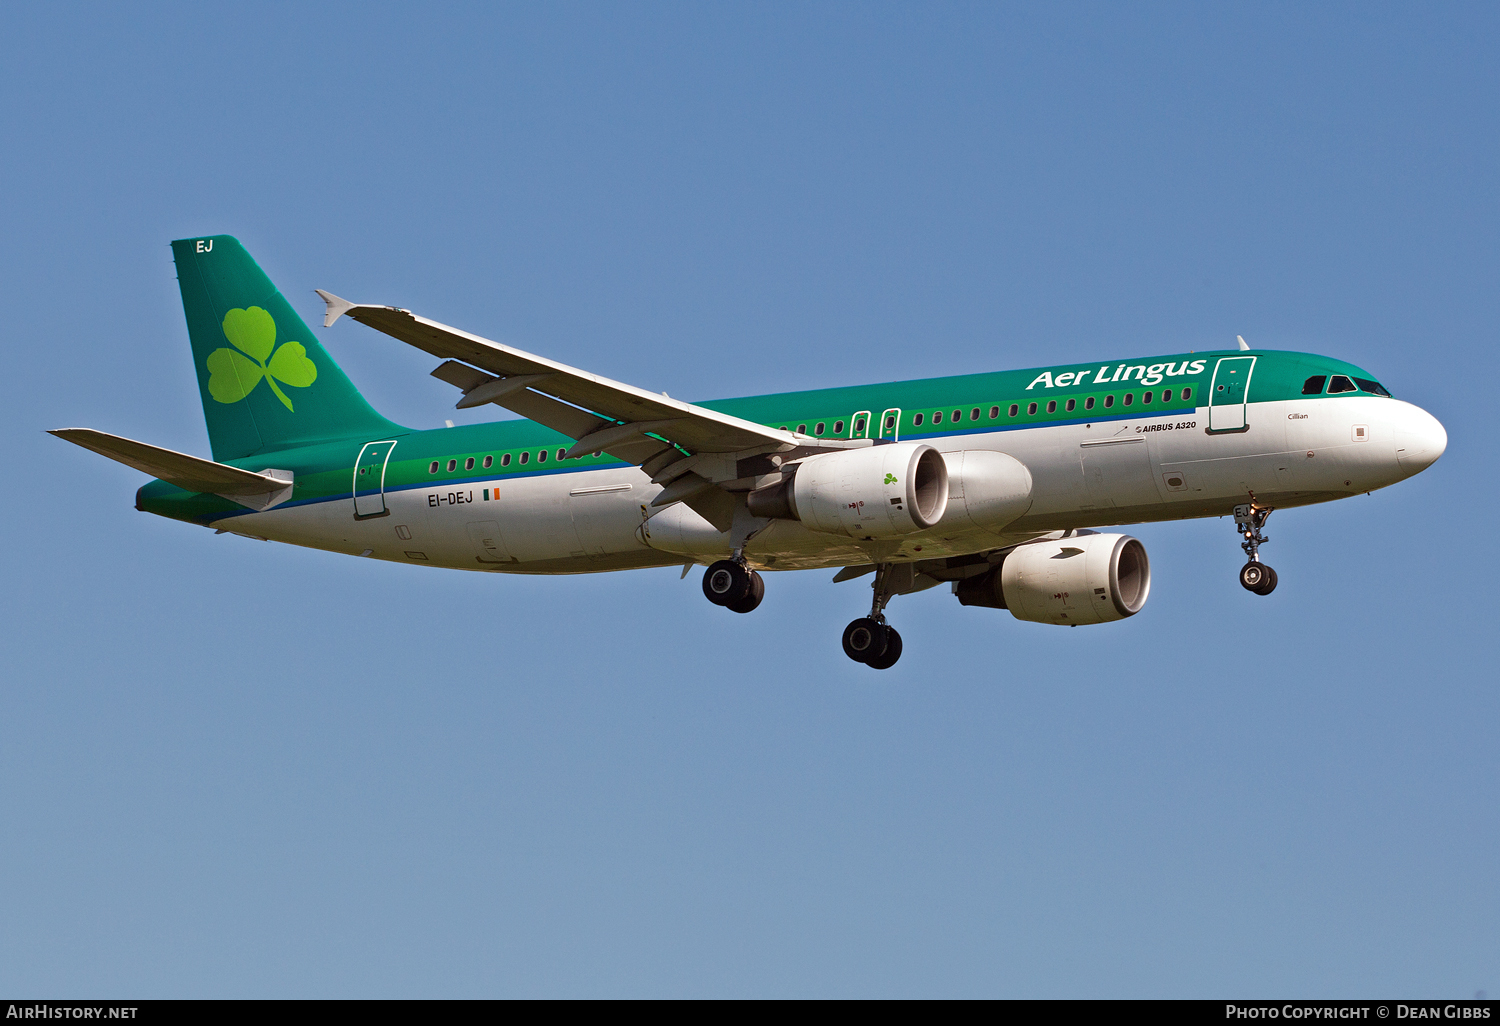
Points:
(986, 489)
(884, 491)
(1087, 578)
(680, 529)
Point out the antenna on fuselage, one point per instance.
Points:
(1243, 343)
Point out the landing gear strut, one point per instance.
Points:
(733, 585)
(870, 640)
(1255, 576)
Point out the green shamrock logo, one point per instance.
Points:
(890, 479)
(234, 373)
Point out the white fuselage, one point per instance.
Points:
(1082, 475)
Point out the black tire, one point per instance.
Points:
(865, 639)
(892, 652)
(726, 582)
(1253, 576)
(752, 597)
(1269, 584)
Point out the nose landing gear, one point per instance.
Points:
(733, 585)
(1255, 576)
(870, 640)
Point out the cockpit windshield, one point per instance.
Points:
(1342, 383)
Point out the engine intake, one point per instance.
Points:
(884, 491)
(1088, 578)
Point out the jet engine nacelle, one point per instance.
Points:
(884, 491)
(986, 489)
(1087, 578)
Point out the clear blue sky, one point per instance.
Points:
(230, 768)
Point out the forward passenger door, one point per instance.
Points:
(1229, 393)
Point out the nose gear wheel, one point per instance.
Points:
(1258, 577)
(1249, 518)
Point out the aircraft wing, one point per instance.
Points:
(514, 379)
(664, 436)
(256, 490)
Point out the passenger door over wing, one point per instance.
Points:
(890, 425)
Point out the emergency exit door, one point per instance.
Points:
(890, 425)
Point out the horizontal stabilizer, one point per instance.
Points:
(191, 473)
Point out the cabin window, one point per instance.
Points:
(1314, 385)
(1052, 406)
(1088, 404)
(541, 456)
(505, 460)
(1373, 387)
(489, 461)
(818, 430)
(452, 465)
(1166, 395)
(1109, 401)
(562, 454)
(1146, 398)
(469, 463)
(1187, 393)
(1340, 384)
(433, 469)
(1072, 405)
(859, 426)
(801, 429)
(1030, 409)
(838, 427)
(917, 420)
(958, 415)
(937, 418)
(890, 422)
(994, 412)
(525, 456)
(1014, 409)
(974, 413)
(1129, 398)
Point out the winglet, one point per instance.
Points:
(1243, 344)
(336, 307)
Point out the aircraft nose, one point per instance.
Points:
(1420, 439)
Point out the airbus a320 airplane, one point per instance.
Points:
(990, 483)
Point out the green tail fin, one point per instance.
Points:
(266, 382)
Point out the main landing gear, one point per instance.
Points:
(733, 585)
(1254, 576)
(870, 640)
